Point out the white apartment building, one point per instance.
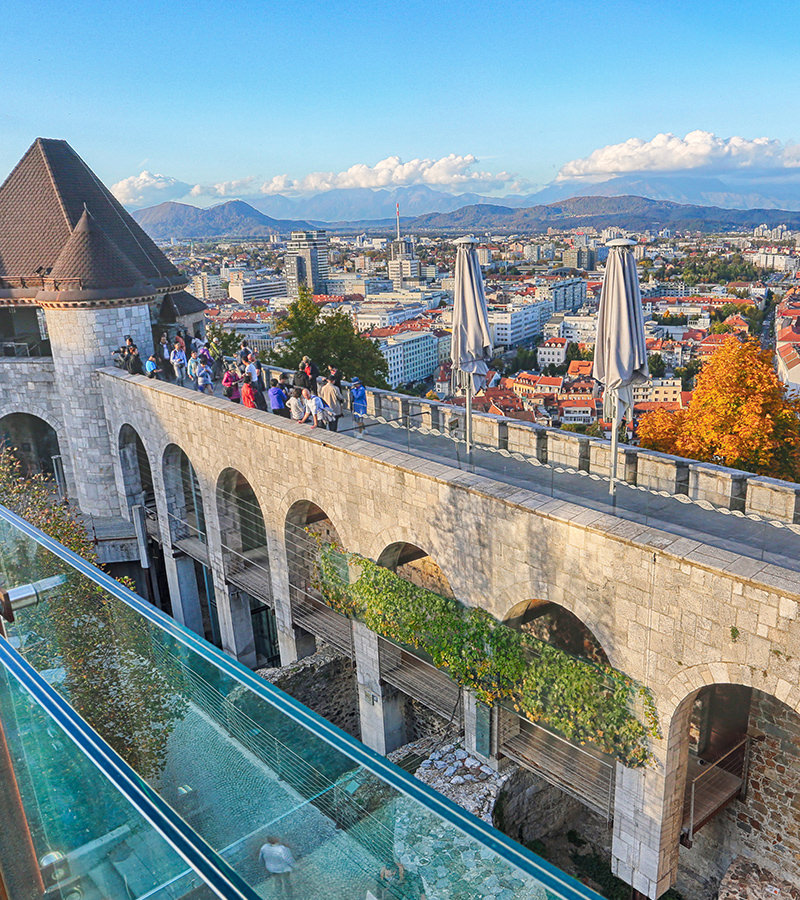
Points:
(553, 351)
(385, 315)
(566, 295)
(484, 256)
(353, 283)
(778, 262)
(577, 329)
(513, 324)
(207, 287)
(658, 390)
(411, 356)
(257, 290)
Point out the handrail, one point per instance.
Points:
(217, 874)
(717, 762)
(544, 872)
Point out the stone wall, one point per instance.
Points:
(744, 880)
(529, 808)
(421, 722)
(663, 607)
(324, 682)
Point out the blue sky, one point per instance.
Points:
(204, 92)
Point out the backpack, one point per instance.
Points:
(325, 414)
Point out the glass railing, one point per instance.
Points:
(145, 756)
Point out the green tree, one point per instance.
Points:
(328, 340)
(222, 342)
(687, 374)
(111, 675)
(656, 365)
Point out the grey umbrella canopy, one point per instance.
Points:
(620, 355)
(471, 345)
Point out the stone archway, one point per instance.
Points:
(737, 779)
(34, 443)
(417, 566)
(137, 474)
(558, 626)
(246, 562)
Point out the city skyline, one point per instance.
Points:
(214, 106)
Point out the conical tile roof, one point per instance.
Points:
(41, 203)
(92, 257)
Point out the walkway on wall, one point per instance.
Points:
(741, 535)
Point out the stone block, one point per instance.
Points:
(600, 460)
(722, 487)
(527, 438)
(662, 472)
(565, 448)
(773, 499)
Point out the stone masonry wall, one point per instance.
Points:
(324, 682)
(670, 611)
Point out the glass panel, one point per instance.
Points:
(237, 764)
(66, 831)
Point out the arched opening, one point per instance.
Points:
(136, 473)
(557, 626)
(433, 702)
(306, 529)
(246, 559)
(576, 776)
(137, 479)
(35, 445)
(187, 528)
(417, 566)
(742, 786)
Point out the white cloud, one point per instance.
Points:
(452, 171)
(698, 150)
(149, 188)
(232, 188)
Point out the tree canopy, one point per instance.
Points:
(328, 340)
(739, 416)
(222, 342)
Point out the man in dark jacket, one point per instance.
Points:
(133, 362)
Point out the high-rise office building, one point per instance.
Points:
(306, 262)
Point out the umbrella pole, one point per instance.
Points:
(612, 487)
(468, 419)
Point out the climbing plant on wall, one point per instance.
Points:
(583, 701)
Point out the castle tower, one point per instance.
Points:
(68, 248)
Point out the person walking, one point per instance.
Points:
(191, 369)
(279, 862)
(178, 360)
(244, 353)
(205, 377)
(331, 396)
(230, 384)
(358, 402)
(277, 399)
(312, 373)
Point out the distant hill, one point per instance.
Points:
(232, 219)
(636, 213)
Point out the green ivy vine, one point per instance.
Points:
(583, 701)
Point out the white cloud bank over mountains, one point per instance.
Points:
(698, 151)
(701, 168)
(453, 171)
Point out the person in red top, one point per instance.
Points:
(251, 395)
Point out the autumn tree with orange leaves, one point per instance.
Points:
(738, 416)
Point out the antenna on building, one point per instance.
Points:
(398, 221)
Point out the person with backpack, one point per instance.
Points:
(315, 409)
(205, 377)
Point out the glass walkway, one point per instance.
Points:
(137, 761)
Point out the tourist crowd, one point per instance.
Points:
(191, 362)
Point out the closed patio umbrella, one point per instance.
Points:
(620, 355)
(471, 346)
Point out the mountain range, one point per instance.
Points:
(235, 218)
